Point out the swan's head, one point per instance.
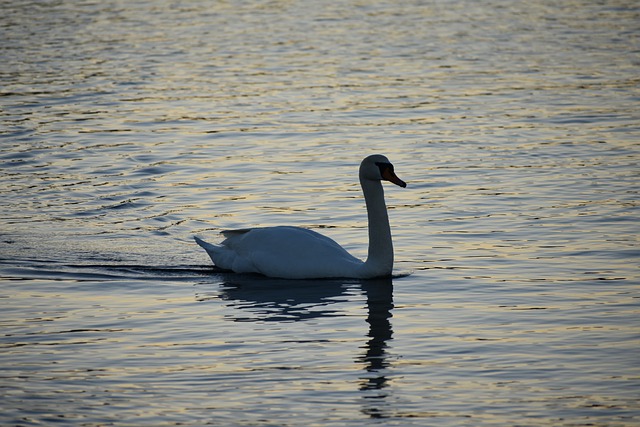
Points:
(377, 167)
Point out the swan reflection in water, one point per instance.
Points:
(379, 305)
(262, 299)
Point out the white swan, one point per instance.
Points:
(298, 253)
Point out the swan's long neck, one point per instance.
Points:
(380, 258)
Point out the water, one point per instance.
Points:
(127, 127)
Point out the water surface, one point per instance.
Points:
(129, 127)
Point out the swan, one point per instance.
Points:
(297, 253)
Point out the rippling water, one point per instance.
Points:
(127, 127)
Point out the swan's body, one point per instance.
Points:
(298, 253)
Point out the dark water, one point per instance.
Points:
(128, 127)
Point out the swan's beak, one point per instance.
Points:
(389, 175)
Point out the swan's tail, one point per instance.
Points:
(206, 246)
(221, 257)
(212, 250)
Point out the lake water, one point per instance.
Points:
(128, 127)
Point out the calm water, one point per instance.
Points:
(127, 127)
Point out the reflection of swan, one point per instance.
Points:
(379, 303)
(266, 299)
(262, 299)
(298, 253)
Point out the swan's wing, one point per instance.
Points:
(290, 252)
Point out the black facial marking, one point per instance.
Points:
(383, 166)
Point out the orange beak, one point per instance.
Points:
(389, 175)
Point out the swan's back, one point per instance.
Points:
(287, 252)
